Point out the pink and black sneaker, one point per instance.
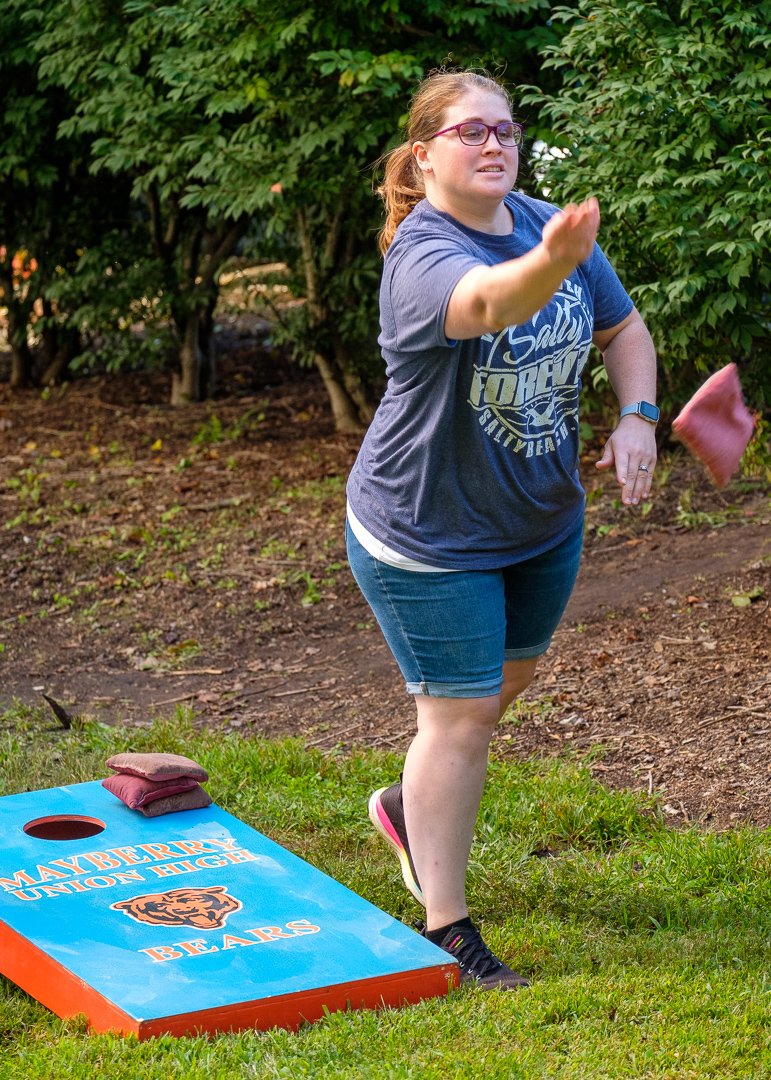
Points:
(386, 812)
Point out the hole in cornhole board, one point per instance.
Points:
(61, 827)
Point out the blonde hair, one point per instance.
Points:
(402, 187)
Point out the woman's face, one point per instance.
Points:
(457, 174)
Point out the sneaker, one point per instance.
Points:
(478, 965)
(386, 812)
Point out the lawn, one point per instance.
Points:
(647, 946)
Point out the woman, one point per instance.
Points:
(465, 510)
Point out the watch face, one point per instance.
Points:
(650, 412)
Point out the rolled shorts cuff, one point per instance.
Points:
(528, 653)
(456, 690)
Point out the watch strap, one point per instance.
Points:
(644, 409)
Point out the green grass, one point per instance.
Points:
(649, 949)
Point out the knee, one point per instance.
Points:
(459, 720)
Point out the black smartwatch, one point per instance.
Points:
(642, 408)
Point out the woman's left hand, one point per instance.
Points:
(631, 448)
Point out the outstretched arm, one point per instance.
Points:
(488, 298)
(630, 360)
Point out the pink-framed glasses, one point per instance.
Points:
(476, 133)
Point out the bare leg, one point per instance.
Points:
(517, 676)
(444, 776)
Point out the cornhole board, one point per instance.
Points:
(189, 922)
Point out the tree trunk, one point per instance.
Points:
(344, 409)
(18, 314)
(21, 364)
(358, 388)
(21, 355)
(361, 394)
(62, 344)
(207, 381)
(200, 259)
(49, 335)
(187, 382)
(54, 370)
(184, 382)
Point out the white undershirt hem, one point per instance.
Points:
(383, 553)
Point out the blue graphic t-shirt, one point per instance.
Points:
(471, 460)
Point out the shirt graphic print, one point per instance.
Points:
(525, 391)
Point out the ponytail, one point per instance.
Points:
(402, 189)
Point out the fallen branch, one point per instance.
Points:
(201, 671)
(173, 700)
(334, 734)
(302, 690)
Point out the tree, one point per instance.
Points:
(26, 181)
(203, 107)
(207, 105)
(53, 212)
(120, 63)
(335, 83)
(32, 177)
(663, 112)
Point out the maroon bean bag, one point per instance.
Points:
(716, 425)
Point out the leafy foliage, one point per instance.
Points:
(297, 153)
(223, 114)
(161, 139)
(663, 112)
(50, 205)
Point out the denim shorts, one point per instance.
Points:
(450, 632)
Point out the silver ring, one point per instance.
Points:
(642, 468)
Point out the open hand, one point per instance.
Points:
(569, 235)
(631, 448)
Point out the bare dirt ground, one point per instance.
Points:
(153, 558)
